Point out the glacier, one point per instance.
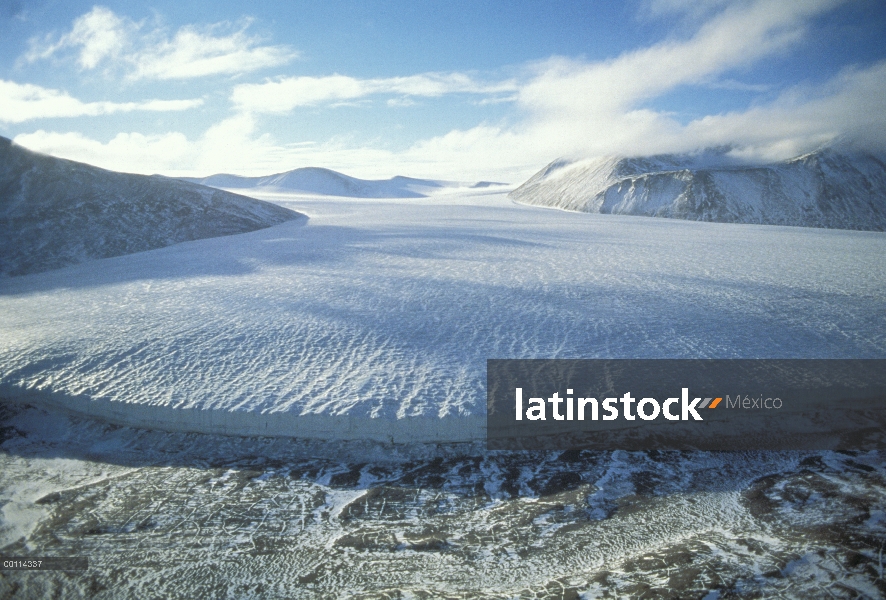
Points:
(122, 380)
(56, 212)
(832, 187)
(375, 318)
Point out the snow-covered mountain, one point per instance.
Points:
(55, 212)
(314, 180)
(826, 188)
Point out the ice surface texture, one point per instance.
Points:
(376, 318)
(826, 188)
(55, 212)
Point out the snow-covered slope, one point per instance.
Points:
(314, 180)
(56, 212)
(825, 188)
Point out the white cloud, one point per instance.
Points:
(126, 152)
(401, 102)
(97, 35)
(285, 94)
(738, 86)
(852, 104)
(230, 146)
(573, 107)
(577, 108)
(100, 37)
(194, 54)
(737, 37)
(565, 107)
(24, 102)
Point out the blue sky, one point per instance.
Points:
(455, 90)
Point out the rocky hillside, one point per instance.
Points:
(825, 188)
(55, 212)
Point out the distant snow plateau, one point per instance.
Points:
(325, 182)
(828, 188)
(55, 212)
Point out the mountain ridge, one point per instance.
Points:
(56, 212)
(829, 188)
